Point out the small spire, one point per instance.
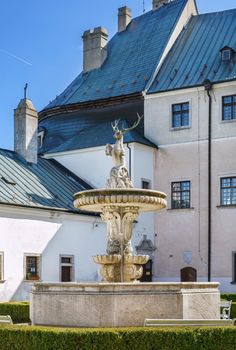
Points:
(25, 91)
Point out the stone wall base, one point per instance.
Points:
(121, 304)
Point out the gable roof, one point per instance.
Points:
(43, 185)
(132, 58)
(99, 135)
(195, 56)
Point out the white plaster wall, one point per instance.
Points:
(143, 162)
(183, 155)
(48, 234)
(90, 164)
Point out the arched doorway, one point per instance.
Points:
(188, 274)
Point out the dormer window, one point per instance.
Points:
(227, 54)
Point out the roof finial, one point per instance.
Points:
(25, 91)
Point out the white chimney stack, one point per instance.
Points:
(156, 4)
(124, 18)
(26, 131)
(95, 48)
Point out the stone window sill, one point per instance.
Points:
(232, 206)
(180, 209)
(180, 128)
(225, 121)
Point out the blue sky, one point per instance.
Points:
(40, 43)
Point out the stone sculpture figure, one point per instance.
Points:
(119, 175)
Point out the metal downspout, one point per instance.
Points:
(208, 88)
(129, 160)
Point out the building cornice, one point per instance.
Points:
(45, 113)
(181, 90)
(8, 210)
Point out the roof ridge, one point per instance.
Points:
(216, 12)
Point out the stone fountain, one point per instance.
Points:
(120, 204)
(120, 299)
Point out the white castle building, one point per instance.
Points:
(175, 67)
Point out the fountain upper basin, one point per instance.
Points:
(96, 200)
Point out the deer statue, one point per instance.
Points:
(119, 176)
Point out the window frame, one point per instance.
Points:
(38, 271)
(72, 265)
(148, 182)
(232, 104)
(229, 52)
(182, 111)
(222, 188)
(180, 191)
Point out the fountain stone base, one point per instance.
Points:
(121, 304)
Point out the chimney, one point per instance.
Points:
(156, 4)
(124, 18)
(95, 48)
(26, 131)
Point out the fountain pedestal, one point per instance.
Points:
(121, 304)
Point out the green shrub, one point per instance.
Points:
(19, 311)
(233, 310)
(48, 338)
(228, 296)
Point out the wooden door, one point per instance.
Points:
(147, 272)
(188, 274)
(66, 273)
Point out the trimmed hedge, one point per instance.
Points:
(228, 296)
(42, 338)
(19, 311)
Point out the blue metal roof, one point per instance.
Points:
(132, 58)
(60, 128)
(196, 55)
(43, 185)
(99, 135)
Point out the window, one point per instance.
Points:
(180, 115)
(146, 184)
(229, 107)
(228, 191)
(1, 266)
(180, 195)
(32, 267)
(227, 54)
(66, 268)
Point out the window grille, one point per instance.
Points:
(180, 115)
(228, 191)
(229, 107)
(180, 195)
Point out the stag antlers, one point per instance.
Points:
(123, 129)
